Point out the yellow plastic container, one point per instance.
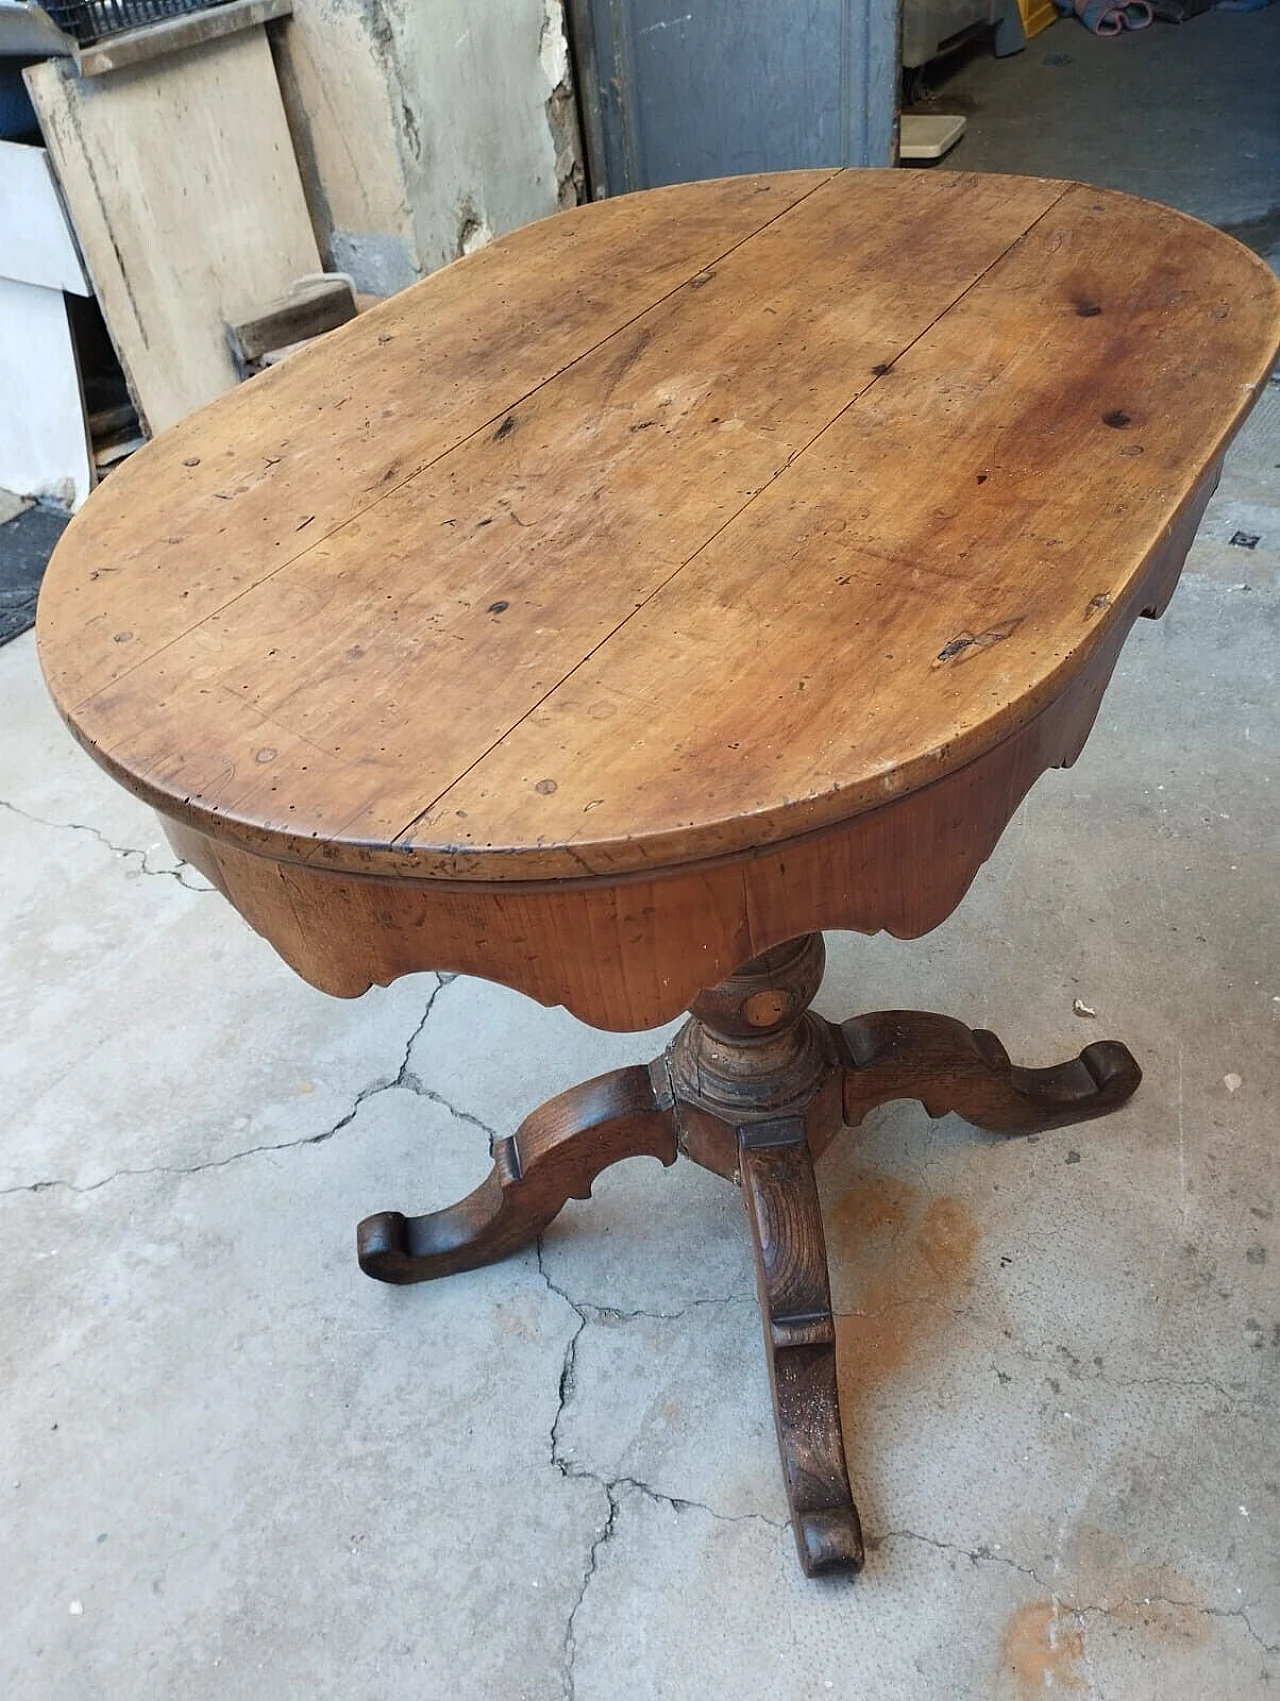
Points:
(1037, 15)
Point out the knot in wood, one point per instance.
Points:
(752, 1048)
(768, 1009)
(767, 995)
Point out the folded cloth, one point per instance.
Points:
(1103, 17)
(1110, 17)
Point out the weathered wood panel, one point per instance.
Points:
(181, 183)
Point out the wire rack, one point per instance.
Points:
(90, 20)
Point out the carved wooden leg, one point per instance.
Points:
(761, 1085)
(910, 1054)
(799, 1332)
(553, 1157)
(756, 1079)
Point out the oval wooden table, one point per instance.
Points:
(624, 604)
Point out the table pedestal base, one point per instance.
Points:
(755, 1086)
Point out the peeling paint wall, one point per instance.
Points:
(424, 130)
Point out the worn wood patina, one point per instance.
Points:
(630, 601)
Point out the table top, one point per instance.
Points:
(669, 528)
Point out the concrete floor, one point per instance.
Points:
(233, 1468)
(1184, 113)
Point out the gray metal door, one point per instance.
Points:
(674, 90)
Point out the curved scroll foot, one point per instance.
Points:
(554, 1156)
(911, 1054)
(795, 1303)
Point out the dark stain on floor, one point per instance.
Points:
(26, 543)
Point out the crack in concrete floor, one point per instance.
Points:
(1072, 1608)
(612, 1487)
(586, 1313)
(179, 872)
(403, 1079)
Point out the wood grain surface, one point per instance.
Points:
(664, 531)
(632, 951)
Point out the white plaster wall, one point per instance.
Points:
(426, 127)
(479, 85)
(44, 445)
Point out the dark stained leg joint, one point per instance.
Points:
(912, 1054)
(555, 1155)
(781, 1197)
